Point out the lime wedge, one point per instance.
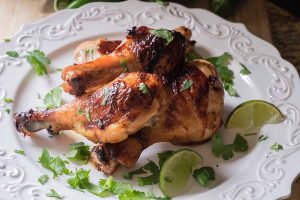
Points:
(176, 171)
(251, 116)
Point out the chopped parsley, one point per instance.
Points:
(191, 55)
(6, 40)
(53, 98)
(43, 179)
(7, 110)
(124, 65)
(226, 75)
(20, 152)
(79, 152)
(55, 164)
(219, 149)
(163, 33)
(143, 88)
(38, 61)
(204, 175)
(54, 194)
(262, 138)
(8, 100)
(186, 85)
(87, 114)
(13, 54)
(244, 70)
(276, 147)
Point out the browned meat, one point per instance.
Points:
(141, 51)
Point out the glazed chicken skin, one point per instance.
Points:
(137, 110)
(140, 51)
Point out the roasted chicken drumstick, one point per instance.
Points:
(140, 51)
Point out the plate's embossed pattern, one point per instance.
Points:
(270, 171)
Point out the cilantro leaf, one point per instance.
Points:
(204, 175)
(138, 171)
(226, 75)
(20, 152)
(8, 100)
(79, 111)
(163, 156)
(87, 114)
(143, 88)
(124, 65)
(137, 195)
(244, 70)
(240, 143)
(7, 110)
(276, 147)
(106, 94)
(13, 54)
(114, 187)
(43, 179)
(186, 85)
(161, 2)
(56, 165)
(54, 194)
(6, 40)
(163, 33)
(53, 98)
(58, 69)
(38, 61)
(219, 149)
(262, 138)
(153, 178)
(191, 55)
(79, 152)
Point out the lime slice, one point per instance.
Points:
(176, 171)
(251, 116)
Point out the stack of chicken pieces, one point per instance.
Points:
(135, 92)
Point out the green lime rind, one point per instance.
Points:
(251, 116)
(177, 170)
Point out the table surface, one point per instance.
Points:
(18, 12)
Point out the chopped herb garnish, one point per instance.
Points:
(20, 152)
(38, 61)
(163, 33)
(79, 111)
(8, 100)
(163, 156)
(7, 110)
(87, 114)
(43, 179)
(143, 88)
(56, 165)
(54, 194)
(186, 85)
(13, 54)
(161, 2)
(226, 75)
(6, 40)
(138, 195)
(204, 175)
(79, 152)
(138, 171)
(105, 96)
(244, 70)
(276, 147)
(219, 149)
(124, 65)
(250, 134)
(191, 55)
(262, 138)
(53, 98)
(58, 69)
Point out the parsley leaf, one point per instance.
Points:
(20, 152)
(54, 194)
(79, 152)
(226, 75)
(7, 110)
(262, 138)
(163, 156)
(6, 40)
(8, 100)
(240, 143)
(276, 147)
(124, 65)
(56, 165)
(204, 175)
(244, 70)
(137, 195)
(38, 61)
(13, 54)
(53, 98)
(43, 179)
(143, 88)
(163, 33)
(87, 114)
(191, 55)
(186, 85)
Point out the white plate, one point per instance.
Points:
(258, 174)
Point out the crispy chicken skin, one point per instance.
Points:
(140, 51)
(191, 117)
